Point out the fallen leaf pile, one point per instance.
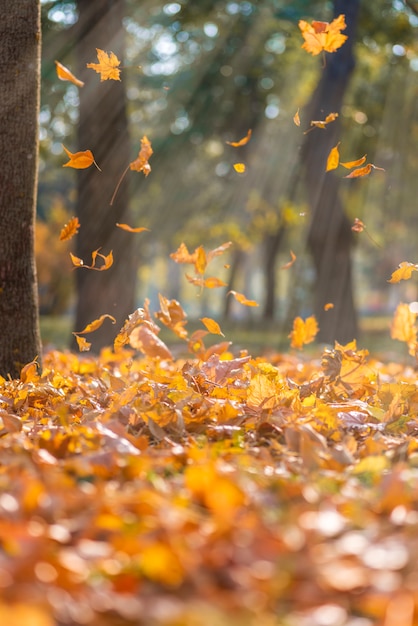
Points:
(139, 488)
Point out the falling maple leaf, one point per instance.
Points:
(239, 167)
(140, 164)
(289, 264)
(64, 73)
(303, 332)
(323, 36)
(333, 158)
(363, 171)
(212, 326)
(80, 160)
(241, 142)
(70, 229)
(239, 297)
(107, 66)
(130, 229)
(404, 272)
(296, 118)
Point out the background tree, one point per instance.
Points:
(20, 41)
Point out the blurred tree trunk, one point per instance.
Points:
(20, 43)
(103, 128)
(330, 238)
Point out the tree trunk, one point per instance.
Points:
(330, 237)
(103, 129)
(20, 42)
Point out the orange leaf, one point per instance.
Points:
(358, 226)
(144, 339)
(141, 162)
(331, 117)
(212, 282)
(70, 229)
(182, 255)
(108, 262)
(80, 160)
(107, 66)
(173, 316)
(404, 272)
(296, 118)
(200, 262)
(333, 159)
(83, 344)
(239, 297)
(129, 229)
(403, 327)
(90, 328)
(350, 164)
(363, 171)
(303, 331)
(64, 73)
(286, 266)
(218, 251)
(241, 142)
(323, 36)
(76, 261)
(212, 326)
(239, 167)
(328, 306)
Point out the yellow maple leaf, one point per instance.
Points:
(107, 66)
(323, 36)
(303, 332)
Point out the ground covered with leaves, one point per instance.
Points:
(212, 490)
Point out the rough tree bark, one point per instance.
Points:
(20, 42)
(330, 237)
(103, 128)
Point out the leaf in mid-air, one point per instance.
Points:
(239, 297)
(350, 164)
(130, 229)
(64, 73)
(80, 160)
(363, 171)
(140, 164)
(323, 36)
(212, 326)
(240, 168)
(333, 159)
(303, 332)
(107, 66)
(404, 272)
(241, 142)
(70, 229)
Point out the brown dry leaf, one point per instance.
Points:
(289, 264)
(80, 160)
(64, 73)
(241, 142)
(130, 229)
(107, 66)
(323, 36)
(70, 229)
(404, 272)
(333, 159)
(239, 297)
(212, 326)
(304, 331)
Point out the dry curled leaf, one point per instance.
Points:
(64, 73)
(107, 261)
(241, 142)
(140, 164)
(239, 297)
(107, 66)
(331, 117)
(70, 229)
(289, 264)
(96, 324)
(296, 118)
(404, 272)
(130, 229)
(350, 164)
(363, 171)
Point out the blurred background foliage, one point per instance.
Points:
(199, 74)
